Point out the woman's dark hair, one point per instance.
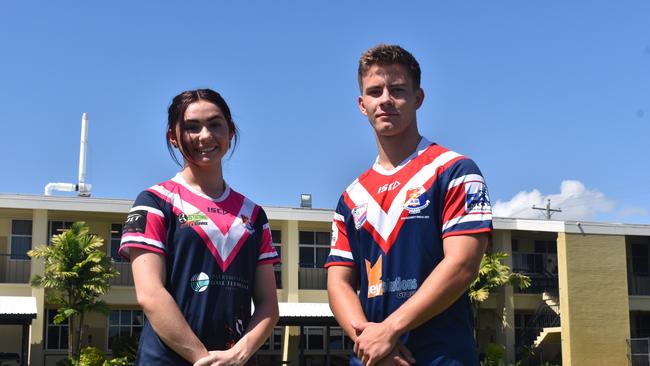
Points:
(176, 113)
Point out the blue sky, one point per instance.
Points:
(551, 98)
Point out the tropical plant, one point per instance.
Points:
(77, 273)
(492, 275)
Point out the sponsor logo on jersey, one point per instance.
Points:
(416, 200)
(402, 288)
(476, 198)
(136, 222)
(375, 284)
(200, 282)
(247, 224)
(388, 187)
(198, 218)
(359, 215)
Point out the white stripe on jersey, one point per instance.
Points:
(223, 244)
(148, 209)
(141, 239)
(466, 218)
(464, 179)
(341, 253)
(384, 223)
(266, 226)
(267, 255)
(338, 217)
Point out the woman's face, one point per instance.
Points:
(205, 134)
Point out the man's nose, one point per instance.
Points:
(385, 97)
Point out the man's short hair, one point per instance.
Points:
(385, 54)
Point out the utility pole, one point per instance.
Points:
(548, 211)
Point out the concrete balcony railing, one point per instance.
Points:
(14, 270)
(125, 278)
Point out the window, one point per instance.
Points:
(274, 342)
(116, 238)
(276, 235)
(124, 324)
(56, 228)
(315, 338)
(314, 248)
(21, 239)
(56, 336)
(640, 259)
(338, 340)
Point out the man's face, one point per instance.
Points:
(389, 100)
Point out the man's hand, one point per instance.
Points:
(221, 358)
(374, 341)
(399, 356)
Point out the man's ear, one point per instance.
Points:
(419, 97)
(362, 108)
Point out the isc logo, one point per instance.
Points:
(388, 187)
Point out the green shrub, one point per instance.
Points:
(91, 356)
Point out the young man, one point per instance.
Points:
(410, 231)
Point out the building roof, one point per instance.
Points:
(17, 309)
(306, 313)
(122, 206)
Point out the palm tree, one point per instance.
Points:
(491, 275)
(77, 273)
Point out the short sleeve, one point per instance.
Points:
(340, 253)
(145, 226)
(267, 254)
(466, 201)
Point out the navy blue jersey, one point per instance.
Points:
(211, 250)
(390, 225)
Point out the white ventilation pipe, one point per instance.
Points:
(82, 187)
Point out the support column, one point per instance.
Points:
(505, 303)
(290, 273)
(37, 332)
(594, 303)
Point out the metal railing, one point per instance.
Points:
(14, 270)
(125, 278)
(540, 284)
(312, 278)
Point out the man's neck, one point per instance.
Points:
(392, 150)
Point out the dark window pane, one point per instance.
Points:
(315, 339)
(116, 231)
(64, 337)
(276, 235)
(114, 318)
(21, 227)
(306, 237)
(20, 246)
(321, 256)
(323, 238)
(306, 257)
(52, 337)
(138, 318)
(515, 245)
(125, 317)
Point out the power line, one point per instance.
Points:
(548, 211)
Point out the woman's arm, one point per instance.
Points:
(160, 308)
(259, 328)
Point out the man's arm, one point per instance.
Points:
(342, 295)
(160, 308)
(259, 328)
(341, 291)
(448, 281)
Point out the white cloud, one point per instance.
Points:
(575, 200)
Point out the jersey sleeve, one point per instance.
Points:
(466, 202)
(267, 254)
(340, 253)
(145, 226)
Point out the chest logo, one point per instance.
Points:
(359, 215)
(200, 282)
(192, 219)
(416, 200)
(246, 221)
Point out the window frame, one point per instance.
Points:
(314, 247)
(60, 330)
(119, 324)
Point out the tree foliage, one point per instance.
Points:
(492, 275)
(77, 273)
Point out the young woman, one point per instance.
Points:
(199, 250)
